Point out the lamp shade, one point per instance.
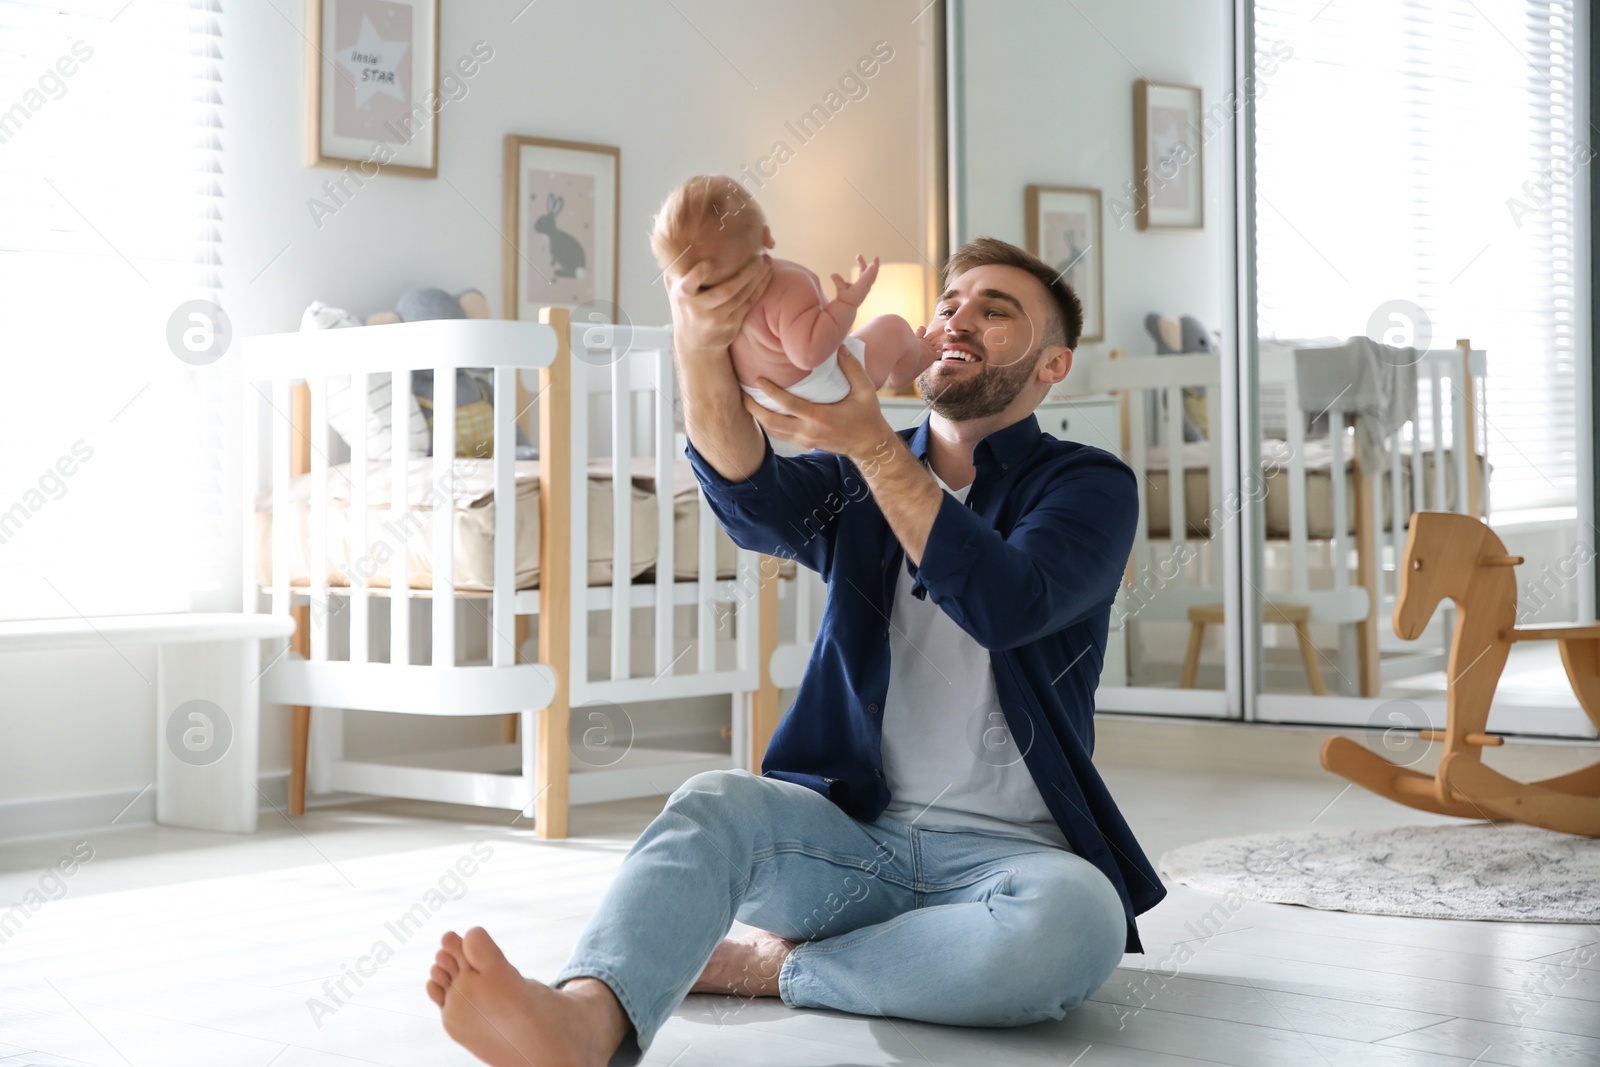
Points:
(901, 289)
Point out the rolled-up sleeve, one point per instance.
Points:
(788, 506)
(1062, 560)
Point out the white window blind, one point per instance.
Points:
(110, 218)
(1426, 151)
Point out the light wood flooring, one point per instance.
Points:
(173, 947)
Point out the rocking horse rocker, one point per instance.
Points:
(1460, 557)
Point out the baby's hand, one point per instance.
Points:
(853, 293)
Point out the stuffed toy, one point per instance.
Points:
(1184, 336)
(474, 387)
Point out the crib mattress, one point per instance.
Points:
(1275, 501)
(473, 505)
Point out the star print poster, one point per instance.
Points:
(375, 101)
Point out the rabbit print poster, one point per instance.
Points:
(561, 215)
(1064, 231)
(559, 237)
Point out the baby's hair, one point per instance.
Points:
(703, 204)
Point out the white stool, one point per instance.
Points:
(208, 707)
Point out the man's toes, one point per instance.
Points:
(451, 944)
(480, 952)
(441, 977)
(436, 993)
(449, 963)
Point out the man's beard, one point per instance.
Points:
(987, 393)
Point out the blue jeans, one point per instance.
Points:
(961, 928)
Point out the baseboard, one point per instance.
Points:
(1286, 751)
(81, 812)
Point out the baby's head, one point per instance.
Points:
(709, 217)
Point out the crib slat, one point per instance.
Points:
(281, 515)
(1138, 446)
(1217, 514)
(442, 495)
(1437, 418)
(1341, 506)
(399, 530)
(1459, 445)
(359, 550)
(1397, 515)
(1177, 475)
(577, 475)
(706, 630)
(502, 631)
(1419, 500)
(317, 554)
(622, 520)
(1298, 534)
(666, 546)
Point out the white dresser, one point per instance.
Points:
(1093, 419)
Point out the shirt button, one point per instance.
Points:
(877, 772)
(872, 709)
(886, 635)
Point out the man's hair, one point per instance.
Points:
(704, 204)
(1066, 326)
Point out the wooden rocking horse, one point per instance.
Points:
(1460, 557)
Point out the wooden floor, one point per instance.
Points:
(170, 947)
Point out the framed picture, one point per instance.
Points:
(1166, 156)
(372, 85)
(560, 224)
(1064, 231)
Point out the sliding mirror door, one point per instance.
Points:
(1419, 213)
(1053, 110)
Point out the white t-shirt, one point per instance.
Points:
(949, 758)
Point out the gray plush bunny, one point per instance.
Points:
(566, 251)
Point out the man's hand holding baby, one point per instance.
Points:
(853, 427)
(705, 322)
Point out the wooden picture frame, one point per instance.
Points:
(562, 226)
(368, 99)
(1168, 156)
(1065, 230)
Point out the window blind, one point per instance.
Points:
(1425, 151)
(110, 219)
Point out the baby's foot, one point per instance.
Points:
(507, 1020)
(746, 966)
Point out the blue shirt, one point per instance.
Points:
(1029, 567)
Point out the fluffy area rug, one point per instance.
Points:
(1498, 871)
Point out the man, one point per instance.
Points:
(929, 838)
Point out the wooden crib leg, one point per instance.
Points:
(509, 723)
(764, 704)
(1191, 658)
(1367, 548)
(1308, 653)
(299, 717)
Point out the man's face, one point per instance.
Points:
(991, 325)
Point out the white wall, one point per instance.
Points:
(1049, 100)
(692, 86)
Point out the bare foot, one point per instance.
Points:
(747, 966)
(507, 1020)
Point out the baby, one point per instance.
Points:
(792, 335)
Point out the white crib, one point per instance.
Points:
(605, 404)
(1441, 456)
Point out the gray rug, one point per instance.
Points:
(1499, 871)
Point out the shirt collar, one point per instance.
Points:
(1007, 445)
